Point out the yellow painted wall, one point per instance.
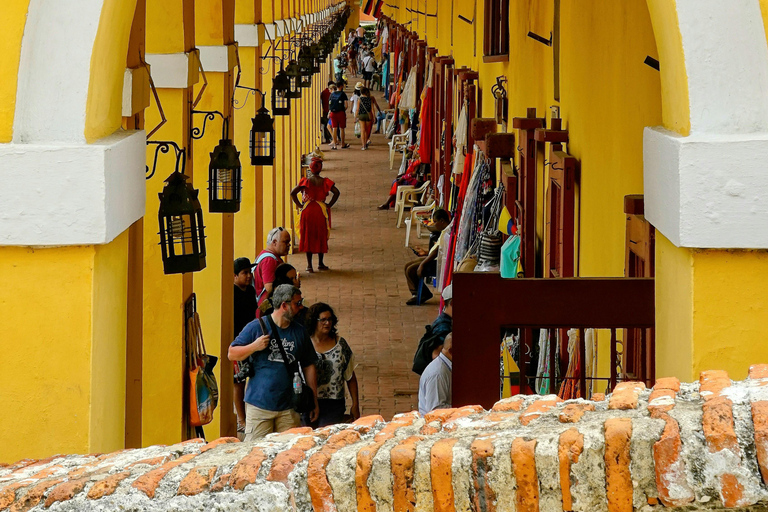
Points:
(14, 19)
(110, 48)
(109, 318)
(64, 349)
(730, 310)
(175, 30)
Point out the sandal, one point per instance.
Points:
(322, 267)
(345, 146)
(310, 270)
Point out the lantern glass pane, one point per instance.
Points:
(180, 234)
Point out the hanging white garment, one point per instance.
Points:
(442, 255)
(441, 190)
(408, 98)
(461, 141)
(590, 365)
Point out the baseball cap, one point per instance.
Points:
(448, 292)
(242, 264)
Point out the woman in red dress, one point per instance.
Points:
(314, 224)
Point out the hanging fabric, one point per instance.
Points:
(425, 133)
(543, 369)
(490, 240)
(461, 141)
(570, 388)
(408, 97)
(591, 362)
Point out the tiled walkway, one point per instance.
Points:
(366, 285)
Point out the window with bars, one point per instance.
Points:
(496, 30)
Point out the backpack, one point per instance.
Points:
(256, 269)
(427, 344)
(335, 103)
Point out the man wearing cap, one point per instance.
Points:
(244, 312)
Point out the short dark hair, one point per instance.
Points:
(365, 91)
(281, 275)
(331, 82)
(441, 214)
(315, 310)
(340, 84)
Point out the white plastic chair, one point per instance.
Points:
(416, 212)
(398, 143)
(407, 197)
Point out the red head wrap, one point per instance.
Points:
(316, 165)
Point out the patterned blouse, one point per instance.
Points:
(334, 368)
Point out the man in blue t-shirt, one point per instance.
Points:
(269, 395)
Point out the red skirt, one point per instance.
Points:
(313, 229)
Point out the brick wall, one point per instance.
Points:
(701, 446)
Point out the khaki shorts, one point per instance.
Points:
(260, 422)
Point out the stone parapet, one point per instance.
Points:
(702, 445)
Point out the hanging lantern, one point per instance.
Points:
(293, 70)
(224, 178)
(263, 138)
(182, 237)
(314, 54)
(281, 86)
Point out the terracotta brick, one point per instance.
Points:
(524, 468)
(440, 415)
(65, 491)
(286, 460)
(365, 457)
(153, 461)
(368, 422)
(148, 482)
(712, 382)
(669, 467)
(570, 446)
(218, 442)
(509, 404)
(221, 482)
(33, 495)
(320, 490)
(758, 371)
(672, 383)
(660, 394)
(483, 497)
(246, 471)
(107, 486)
(760, 422)
(537, 408)
(625, 395)
(618, 433)
(598, 397)
(299, 430)
(498, 417)
(196, 481)
(45, 473)
(720, 433)
(402, 458)
(196, 440)
(441, 472)
(8, 493)
(572, 413)
(400, 421)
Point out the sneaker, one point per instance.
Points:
(364, 148)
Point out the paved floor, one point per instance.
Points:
(366, 285)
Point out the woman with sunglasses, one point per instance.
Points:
(335, 366)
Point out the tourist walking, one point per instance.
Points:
(369, 66)
(335, 366)
(269, 396)
(278, 246)
(365, 115)
(337, 106)
(244, 312)
(324, 98)
(314, 223)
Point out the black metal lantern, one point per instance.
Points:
(182, 237)
(263, 138)
(281, 87)
(316, 53)
(293, 71)
(224, 178)
(306, 62)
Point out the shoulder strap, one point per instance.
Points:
(276, 336)
(263, 256)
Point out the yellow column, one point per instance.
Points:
(214, 27)
(170, 30)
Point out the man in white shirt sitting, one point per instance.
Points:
(435, 382)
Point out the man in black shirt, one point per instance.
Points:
(245, 312)
(426, 266)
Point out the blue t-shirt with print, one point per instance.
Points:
(271, 387)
